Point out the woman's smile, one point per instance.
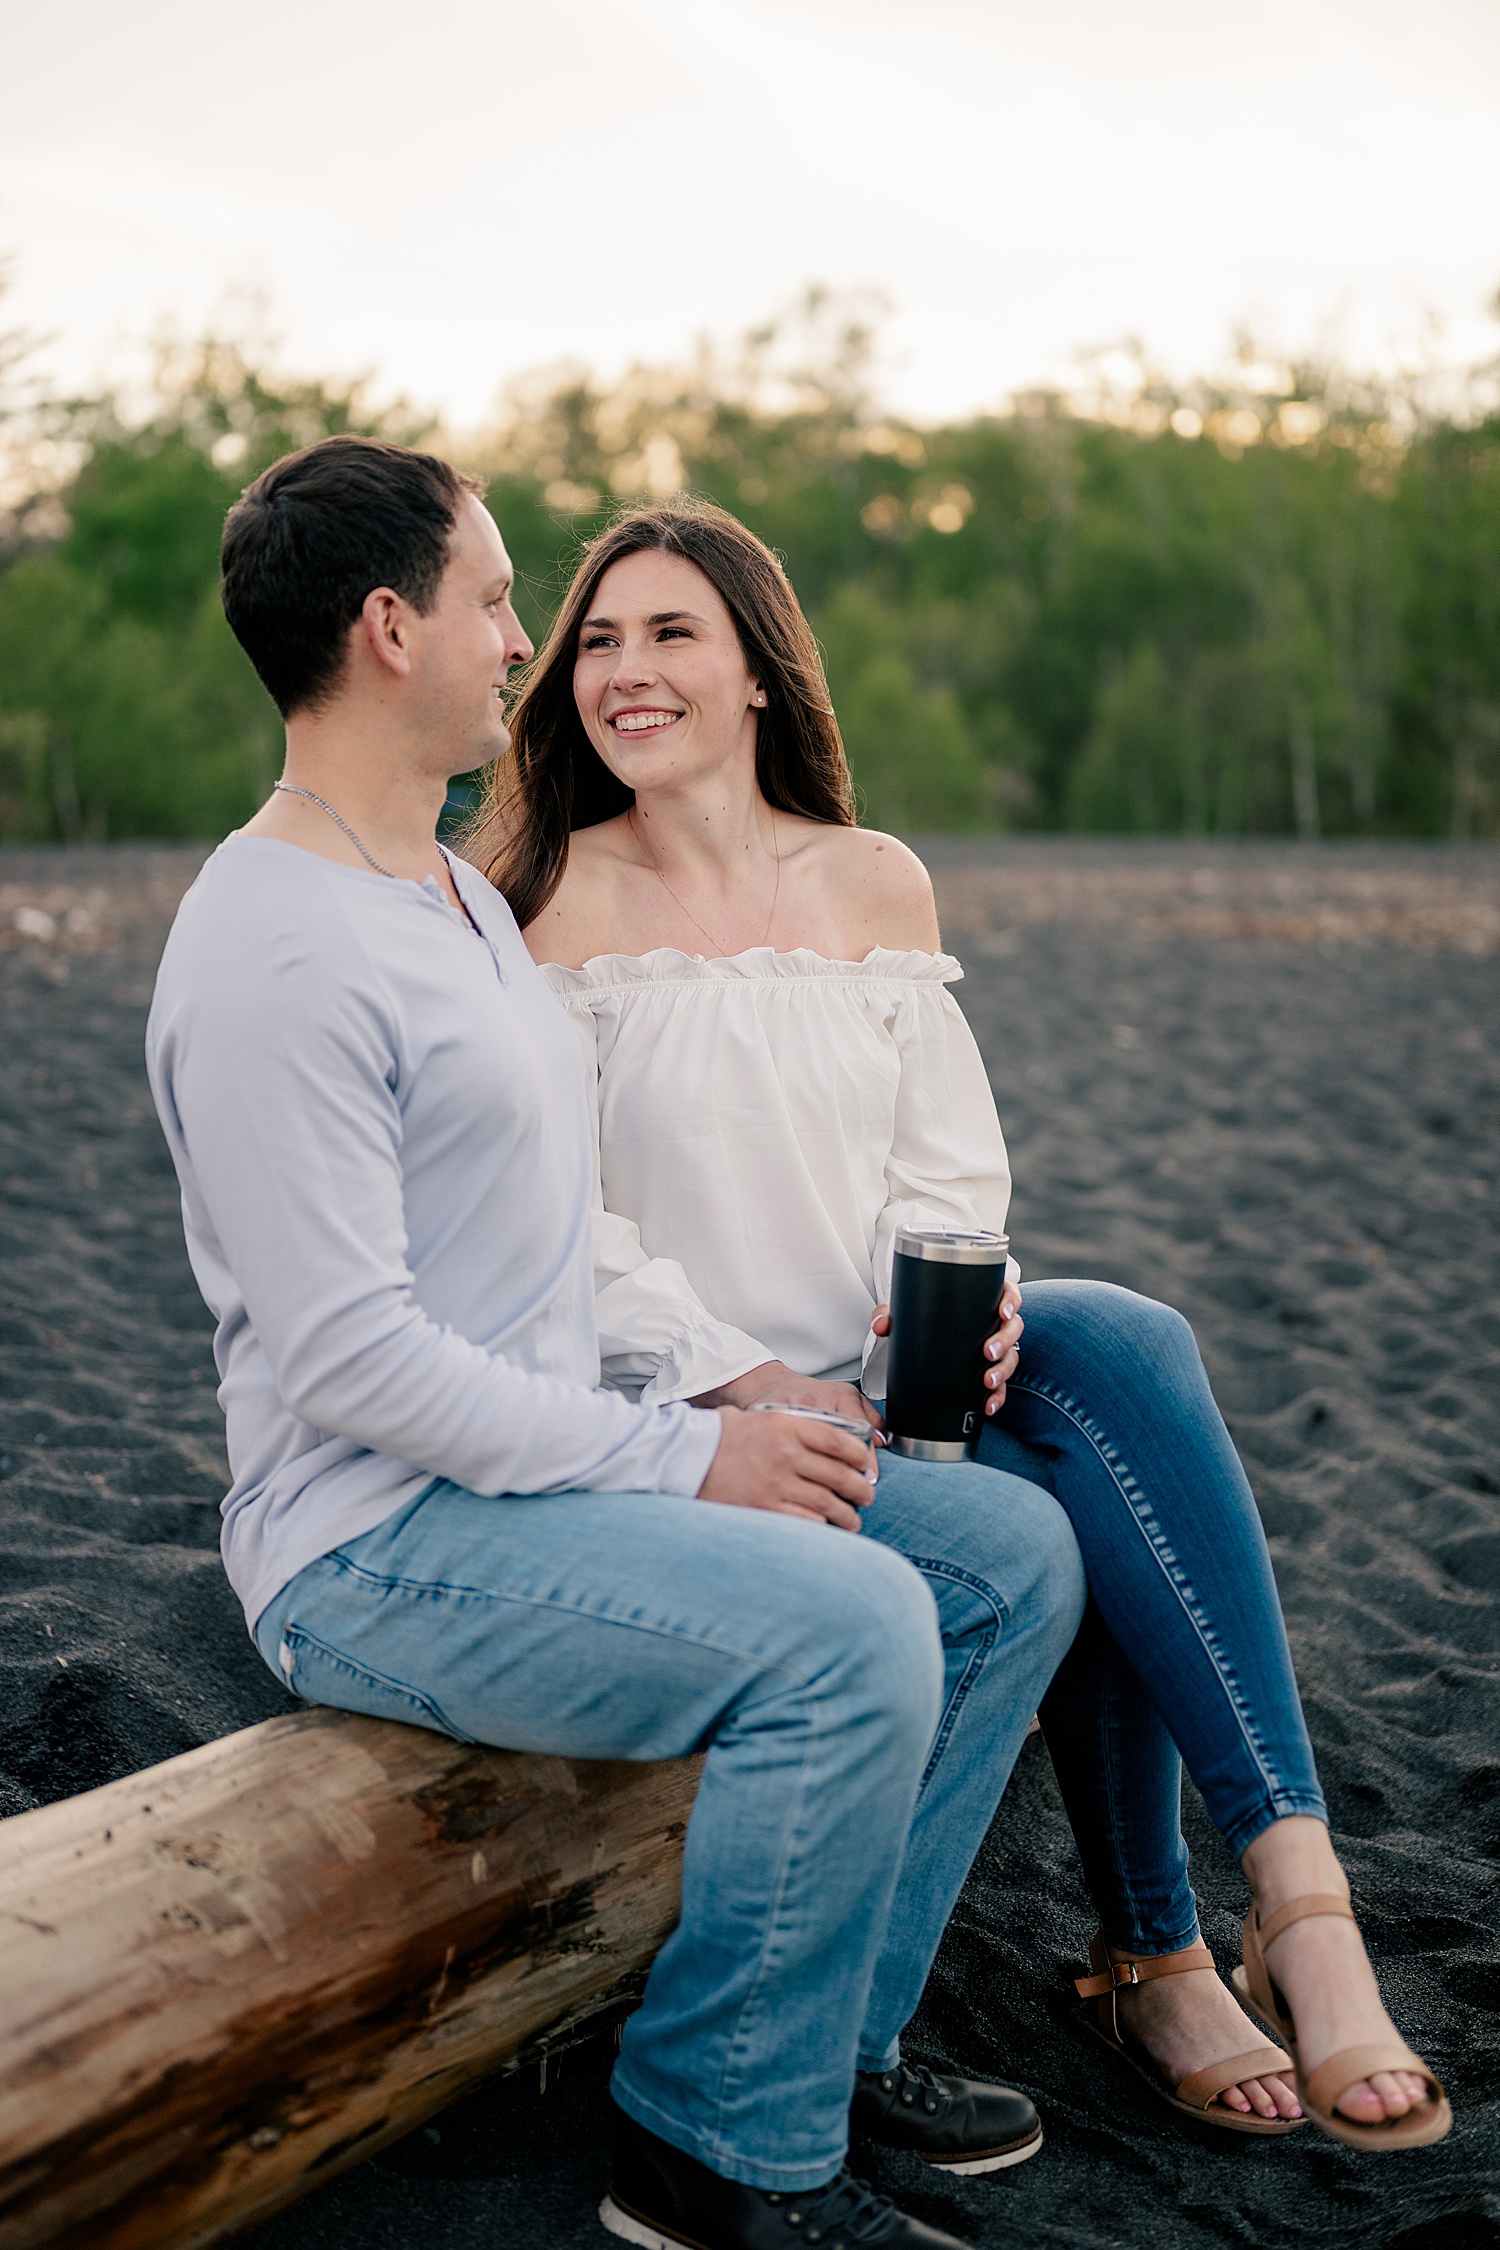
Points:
(642, 719)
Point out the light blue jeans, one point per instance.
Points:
(861, 1699)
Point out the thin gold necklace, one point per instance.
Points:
(721, 949)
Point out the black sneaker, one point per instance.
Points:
(661, 2199)
(959, 2124)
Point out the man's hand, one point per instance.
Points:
(1003, 1347)
(773, 1380)
(792, 1467)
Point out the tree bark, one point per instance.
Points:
(230, 1976)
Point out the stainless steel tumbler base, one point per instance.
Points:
(934, 1449)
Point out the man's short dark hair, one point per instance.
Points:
(316, 533)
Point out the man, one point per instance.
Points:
(379, 1120)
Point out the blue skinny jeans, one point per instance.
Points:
(1182, 1656)
(861, 1700)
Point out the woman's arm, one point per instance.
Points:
(947, 1165)
(774, 1381)
(654, 1329)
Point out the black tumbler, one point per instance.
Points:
(945, 1293)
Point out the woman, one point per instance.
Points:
(783, 1079)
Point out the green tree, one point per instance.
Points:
(126, 705)
(1267, 604)
(914, 760)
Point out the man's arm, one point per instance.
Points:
(280, 1104)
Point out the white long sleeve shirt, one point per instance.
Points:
(382, 1134)
(766, 1122)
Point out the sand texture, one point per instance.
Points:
(1261, 1083)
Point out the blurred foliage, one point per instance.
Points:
(1267, 604)
(126, 705)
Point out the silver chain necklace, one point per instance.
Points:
(292, 790)
(719, 946)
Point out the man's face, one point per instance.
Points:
(463, 649)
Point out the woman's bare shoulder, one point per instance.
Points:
(882, 889)
(576, 922)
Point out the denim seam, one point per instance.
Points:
(737, 2045)
(1279, 1806)
(1109, 1732)
(1134, 1498)
(1134, 1940)
(597, 1617)
(963, 1687)
(292, 1634)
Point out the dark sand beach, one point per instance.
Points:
(1262, 1083)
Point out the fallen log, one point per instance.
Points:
(228, 1977)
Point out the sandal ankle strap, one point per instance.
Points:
(1301, 1910)
(1113, 1976)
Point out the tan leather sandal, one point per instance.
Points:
(1321, 2088)
(1196, 2095)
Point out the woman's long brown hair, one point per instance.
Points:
(554, 781)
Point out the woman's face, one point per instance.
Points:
(660, 677)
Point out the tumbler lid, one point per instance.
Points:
(971, 1246)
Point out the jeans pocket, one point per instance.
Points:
(319, 1674)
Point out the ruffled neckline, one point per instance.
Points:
(758, 964)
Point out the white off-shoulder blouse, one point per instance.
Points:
(766, 1122)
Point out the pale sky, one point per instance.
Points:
(452, 192)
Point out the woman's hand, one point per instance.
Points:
(792, 1467)
(1003, 1347)
(772, 1380)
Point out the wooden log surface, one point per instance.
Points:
(225, 1978)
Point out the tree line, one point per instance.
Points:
(1263, 605)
